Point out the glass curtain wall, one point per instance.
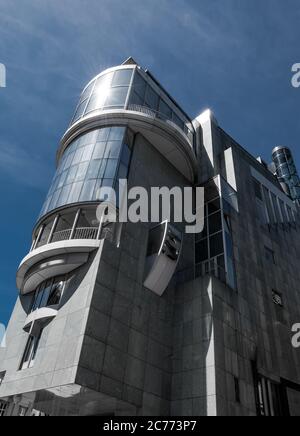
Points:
(96, 159)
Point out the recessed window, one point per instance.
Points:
(257, 189)
(237, 390)
(30, 351)
(22, 411)
(48, 293)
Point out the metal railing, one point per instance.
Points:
(63, 235)
(155, 114)
(86, 233)
(70, 234)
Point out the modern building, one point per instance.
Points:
(143, 318)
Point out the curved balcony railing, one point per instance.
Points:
(155, 114)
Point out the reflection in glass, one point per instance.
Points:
(87, 162)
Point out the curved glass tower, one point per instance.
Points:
(286, 171)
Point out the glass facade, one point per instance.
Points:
(286, 171)
(127, 89)
(143, 95)
(48, 293)
(108, 91)
(214, 251)
(95, 159)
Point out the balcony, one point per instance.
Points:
(79, 233)
(62, 242)
(159, 115)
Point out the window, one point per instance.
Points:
(30, 352)
(270, 255)
(122, 77)
(270, 397)
(257, 189)
(237, 390)
(86, 159)
(277, 298)
(117, 97)
(48, 293)
(22, 411)
(3, 407)
(2, 375)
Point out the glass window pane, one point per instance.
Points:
(117, 97)
(110, 170)
(87, 92)
(102, 168)
(216, 245)
(82, 170)
(46, 293)
(117, 133)
(75, 192)
(122, 78)
(79, 111)
(201, 251)
(99, 150)
(113, 149)
(87, 190)
(89, 138)
(72, 174)
(165, 109)
(215, 223)
(55, 293)
(214, 206)
(93, 170)
(135, 99)
(63, 199)
(69, 161)
(96, 102)
(54, 199)
(87, 152)
(139, 85)
(62, 179)
(103, 134)
(151, 98)
(103, 83)
(77, 157)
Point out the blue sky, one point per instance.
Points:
(233, 56)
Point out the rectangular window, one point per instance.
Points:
(22, 411)
(30, 352)
(270, 397)
(3, 407)
(257, 189)
(237, 390)
(202, 251)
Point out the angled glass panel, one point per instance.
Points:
(116, 97)
(122, 78)
(87, 190)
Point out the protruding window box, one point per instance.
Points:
(37, 319)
